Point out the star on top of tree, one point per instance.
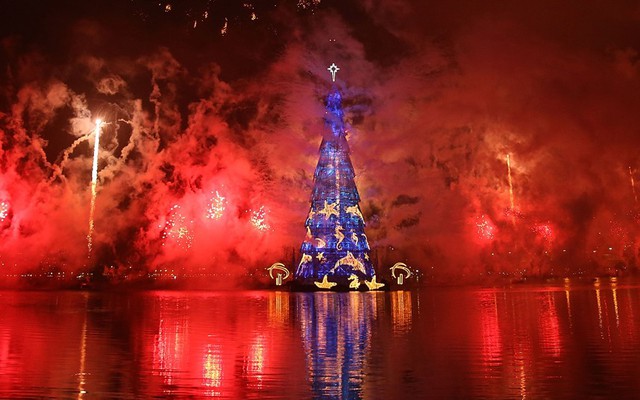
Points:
(333, 68)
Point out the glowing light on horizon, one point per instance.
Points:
(4, 210)
(216, 206)
(94, 184)
(258, 219)
(178, 229)
(485, 228)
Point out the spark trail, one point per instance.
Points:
(510, 182)
(94, 185)
(633, 185)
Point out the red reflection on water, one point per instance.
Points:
(4, 348)
(517, 342)
(168, 347)
(200, 350)
(401, 311)
(490, 329)
(550, 326)
(27, 324)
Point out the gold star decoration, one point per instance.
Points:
(325, 284)
(320, 256)
(366, 256)
(373, 284)
(329, 210)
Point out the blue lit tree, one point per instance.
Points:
(336, 249)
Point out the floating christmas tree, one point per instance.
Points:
(335, 251)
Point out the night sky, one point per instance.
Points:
(219, 104)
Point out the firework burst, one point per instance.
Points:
(258, 219)
(4, 210)
(177, 229)
(216, 206)
(485, 228)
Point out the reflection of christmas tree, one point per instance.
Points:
(336, 247)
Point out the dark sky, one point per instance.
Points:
(202, 97)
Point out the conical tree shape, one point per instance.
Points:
(335, 245)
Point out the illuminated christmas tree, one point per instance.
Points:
(335, 251)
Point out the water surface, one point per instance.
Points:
(566, 341)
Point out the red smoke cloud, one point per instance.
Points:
(432, 114)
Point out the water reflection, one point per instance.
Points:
(220, 345)
(490, 330)
(336, 333)
(575, 340)
(169, 341)
(571, 339)
(401, 311)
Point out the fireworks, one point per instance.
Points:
(511, 200)
(304, 4)
(223, 31)
(178, 229)
(94, 184)
(545, 231)
(485, 228)
(203, 14)
(216, 206)
(617, 230)
(633, 186)
(258, 219)
(4, 210)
